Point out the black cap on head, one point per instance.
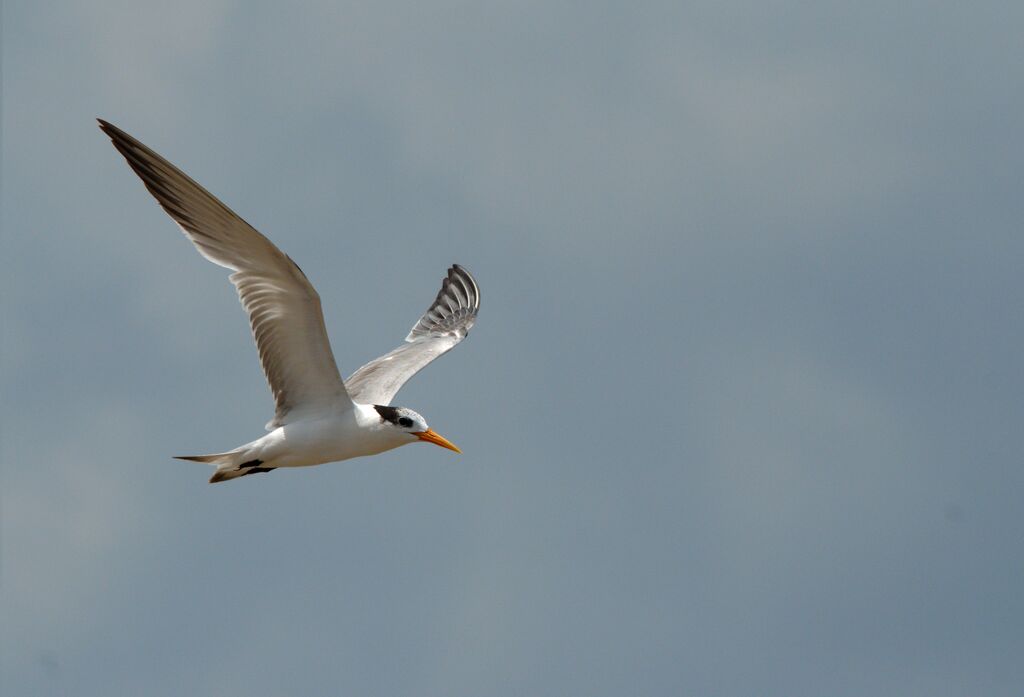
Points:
(389, 414)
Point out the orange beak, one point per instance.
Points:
(437, 439)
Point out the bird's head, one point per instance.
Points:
(405, 421)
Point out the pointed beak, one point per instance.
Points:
(437, 439)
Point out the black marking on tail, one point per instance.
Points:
(253, 467)
(254, 470)
(242, 470)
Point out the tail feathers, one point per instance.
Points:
(203, 458)
(227, 468)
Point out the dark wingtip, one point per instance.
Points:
(118, 137)
(462, 273)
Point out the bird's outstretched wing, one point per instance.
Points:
(445, 323)
(284, 308)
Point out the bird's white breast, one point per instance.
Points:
(327, 437)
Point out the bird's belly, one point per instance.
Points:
(306, 444)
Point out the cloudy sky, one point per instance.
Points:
(741, 415)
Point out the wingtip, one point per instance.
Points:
(458, 271)
(110, 130)
(113, 132)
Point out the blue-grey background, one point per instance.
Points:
(742, 414)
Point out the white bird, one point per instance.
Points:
(319, 417)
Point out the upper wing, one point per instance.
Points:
(443, 325)
(283, 307)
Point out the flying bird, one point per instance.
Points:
(319, 417)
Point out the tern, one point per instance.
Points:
(319, 417)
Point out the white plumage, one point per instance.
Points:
(318, 417)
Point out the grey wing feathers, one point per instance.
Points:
(453, 310)
(445, 323)
(283, 307)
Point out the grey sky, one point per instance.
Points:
(741, 414)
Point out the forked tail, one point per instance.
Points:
(228, 465)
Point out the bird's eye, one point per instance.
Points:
(405, 421)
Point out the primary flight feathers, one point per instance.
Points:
(444, 324)
(283, 307)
